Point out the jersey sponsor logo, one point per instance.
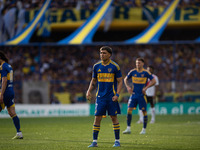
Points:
(99, 70)
(105, 77)
(139, 80)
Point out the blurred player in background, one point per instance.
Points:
(7, 93)
(108, 78)
(151, 96)
(139, 78)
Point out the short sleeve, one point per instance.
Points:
(94, 72)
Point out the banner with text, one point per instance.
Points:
(123, 17)
(49, 110)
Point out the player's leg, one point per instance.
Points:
(96, 129)
(116, 128)
(100, 110)
(152, 110)
(129, 118)
(143, 107)
(132, 103)
(140, 117)
(145, 119)
(16, 121)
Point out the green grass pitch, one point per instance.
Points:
(177, 132)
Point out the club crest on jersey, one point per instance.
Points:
(109, 69)
(99, 70)
(135, 75)
(142, 75)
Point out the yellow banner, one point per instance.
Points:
(123, 17)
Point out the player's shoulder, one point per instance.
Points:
(133, 70)
(5, 65)
(115, 64)
(145, 70)
(97, 64)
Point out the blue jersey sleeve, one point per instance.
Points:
(129, 75)
(149, 76)
(118, 73)
(4, 71)
(94, 72)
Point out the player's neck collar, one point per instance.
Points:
(140, 70)
(106, 63)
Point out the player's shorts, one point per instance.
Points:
(8, 99)
(150, 100)
(134, 100)
(103, 106)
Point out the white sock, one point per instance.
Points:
(95, 141)
(153, 113)
(141, 115)
(143, 129)
(116, 140)
(128, 128)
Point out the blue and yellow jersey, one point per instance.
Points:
(139, 79)
(7, 71)
(106, 76)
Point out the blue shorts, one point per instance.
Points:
(8, 99)
(103, 106)
(138, 99)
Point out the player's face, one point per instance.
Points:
(149, 69)
(139, 64)
(104, 55)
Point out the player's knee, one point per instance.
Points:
(114, 118)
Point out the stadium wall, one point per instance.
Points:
(89, 109)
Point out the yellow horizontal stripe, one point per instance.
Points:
(146, 37)
(105, 77)
(78, 39)
(139, 80)
(96, 129)
(116, 128)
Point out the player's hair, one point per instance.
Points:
(3, 56)
(107, 48)
(140, 59)
(152, 67)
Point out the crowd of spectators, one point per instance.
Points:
(69, 68)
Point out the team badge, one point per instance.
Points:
(142, 75)
(99, 70)
(135, 75)
(109, 69)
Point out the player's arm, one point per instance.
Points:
(119, 88)
(3, 88)
(91, 87)
(129, 89)
(151, 83)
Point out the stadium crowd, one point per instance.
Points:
(69, 68)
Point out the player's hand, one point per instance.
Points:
(144, 90)
(115, 98)
(129, 89)
(88, 95)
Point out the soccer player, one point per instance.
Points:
(139, 78)
(108, 78)
(151, 95)
(7, 93)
